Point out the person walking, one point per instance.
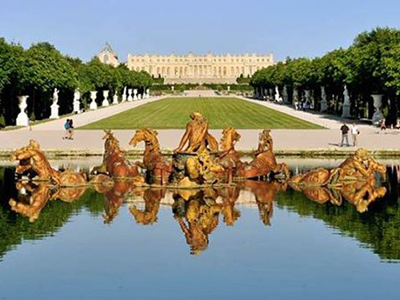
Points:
(66, 127)
(345, 134)
(354, 133)
(71, 129)
(383, 125)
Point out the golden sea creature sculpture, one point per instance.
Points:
(33, 158)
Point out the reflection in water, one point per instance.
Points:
(197, 212)
(152, 199)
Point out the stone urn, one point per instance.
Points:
(378, 115)
(130, 95)
(22, 118)
(93, 104)
(105, 101)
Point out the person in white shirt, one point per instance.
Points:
(354, 133)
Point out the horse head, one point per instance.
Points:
(229, 138)
(147, 135)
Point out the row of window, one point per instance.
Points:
(196, 70)
(200, 60)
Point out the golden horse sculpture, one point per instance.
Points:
(32, 158)
(157, 169)
(115, 164)
(229, 158)
(152, 199)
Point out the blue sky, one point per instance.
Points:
(286, 28)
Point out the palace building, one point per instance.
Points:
(193, 68)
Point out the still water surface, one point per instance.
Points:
(257, 241)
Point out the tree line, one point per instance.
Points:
(36, 71)
(371, 65)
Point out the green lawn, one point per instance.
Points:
(173, 113)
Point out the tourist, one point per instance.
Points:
(66, 127)
(71, 129)
(354, 133)
(383, 124)
(345, 134)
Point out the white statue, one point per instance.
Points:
(124, 95)
(93, 104)
(22, 118)
(76, 103)
(55, 95)
(130, 95)
(295, 96)
(147, 93)
(346, 103)
(55, 107)
(278, 97)
(105, 101)
(324, 102)
(285, 94)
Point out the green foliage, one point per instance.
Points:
(370, 65)
(37, 71)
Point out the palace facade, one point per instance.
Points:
(193, 68)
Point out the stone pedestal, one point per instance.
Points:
(346, 104)
(22, 118)
(324, 102)
(54, 111)
(115, 98)
(139, 96)
(76, 103)
(130, 95)
(77, 107)
(135, 97)
(93, 104)
(378, 115)
(105, 101)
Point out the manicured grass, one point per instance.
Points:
(173, 113)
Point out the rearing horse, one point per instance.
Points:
(229, 158)
(157, 169)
